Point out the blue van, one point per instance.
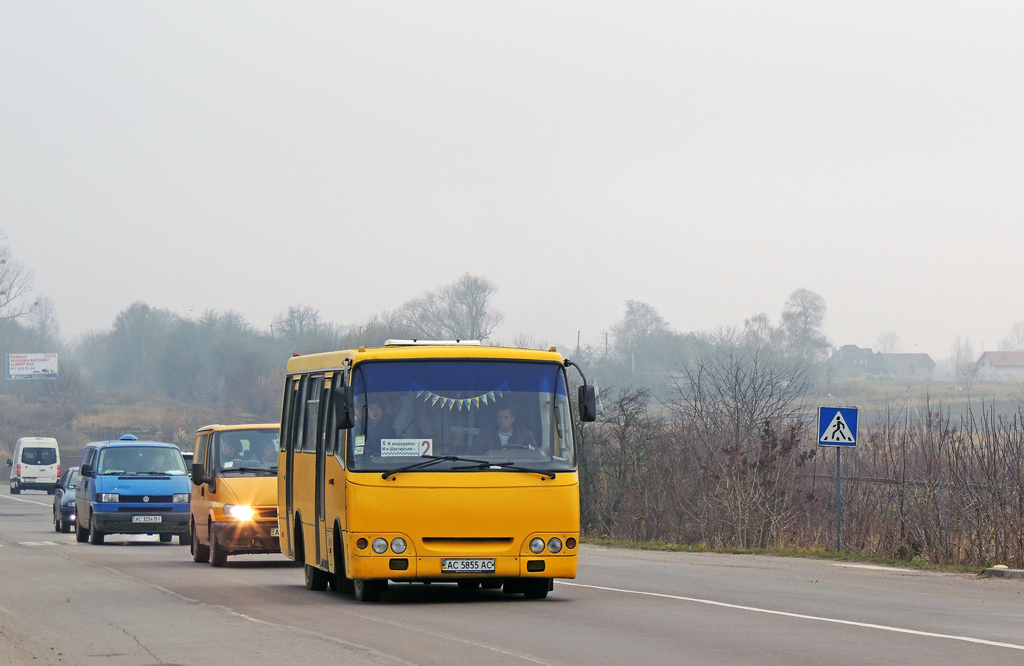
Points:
(128, 486)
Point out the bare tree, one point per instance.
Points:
(803, 321)
(458, 311)
(965, 362)
(15, 285)
(888, 342)
(1015, 340)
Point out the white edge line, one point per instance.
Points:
(851, 623)
(18, 499)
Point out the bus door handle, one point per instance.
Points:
(330, 482)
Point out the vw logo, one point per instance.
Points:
(146, 498)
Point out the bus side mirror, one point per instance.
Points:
(588, 403)
(344, 407)
(86, 469)
(197, 474)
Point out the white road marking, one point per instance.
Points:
(20, 499)
(873, 567)
(38, 543)
(801, 616)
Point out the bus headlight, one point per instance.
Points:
(398, 545)
(379, 545)
(537, 545)
(554, 544)
(238, 511)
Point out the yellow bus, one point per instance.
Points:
(430, 462)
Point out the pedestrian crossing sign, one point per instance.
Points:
(837, 426)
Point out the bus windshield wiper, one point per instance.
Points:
(431, 460)
(507, 466)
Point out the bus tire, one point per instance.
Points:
(339, 581)
(200, 553)
(536, 588)
(218, 556)
(15, 489)
(369, 590)
(316, 578)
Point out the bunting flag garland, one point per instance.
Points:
(484, 399)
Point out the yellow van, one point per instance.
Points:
(234, 492)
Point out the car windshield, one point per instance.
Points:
(72, 479)
(245, 451)
(140, 460)
(38, 455)
(480, 415)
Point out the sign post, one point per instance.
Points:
(837, 426)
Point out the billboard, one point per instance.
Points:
(31, 366)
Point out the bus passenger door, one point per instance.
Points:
(320, 509)
(291, 438)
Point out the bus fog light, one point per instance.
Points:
(379, 545)
(398, 545)
(536, 545)
(361, 543)
(570, 543)
(554, 544)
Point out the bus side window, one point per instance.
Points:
(314, 387)
(293, 416)
(202, 440)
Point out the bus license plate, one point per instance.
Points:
(275, 532)
(467, 566)
(147, 519)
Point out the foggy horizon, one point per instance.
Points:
(707, 161)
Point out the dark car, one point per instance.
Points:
(64, 501)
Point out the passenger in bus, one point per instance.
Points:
(506, 434)
(266, 454)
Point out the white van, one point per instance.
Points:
(36, 465)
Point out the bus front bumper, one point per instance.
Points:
(248, 537)
(429, 568)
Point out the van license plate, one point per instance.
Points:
(467, 566)
(147, 519)
(275, 532)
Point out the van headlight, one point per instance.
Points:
(238, 511)
(180, 497)
(109, 497)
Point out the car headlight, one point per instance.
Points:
(109, 497)
(398, 545)
(238, 511)
(181, 497)
(537, 545)
(554, 544)
(379, 545)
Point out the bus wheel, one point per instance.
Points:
(339, 582)
(369, 590)
(536, 588)
(200, 553)
(316, 578)
(218, 556)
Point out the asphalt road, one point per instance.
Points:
(137, 601)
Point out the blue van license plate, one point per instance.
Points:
(147, 519)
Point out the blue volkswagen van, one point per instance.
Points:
(128, 486)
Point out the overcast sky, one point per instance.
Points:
(706, 158)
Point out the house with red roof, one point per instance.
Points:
(995, 364)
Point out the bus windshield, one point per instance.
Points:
(508, 414)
